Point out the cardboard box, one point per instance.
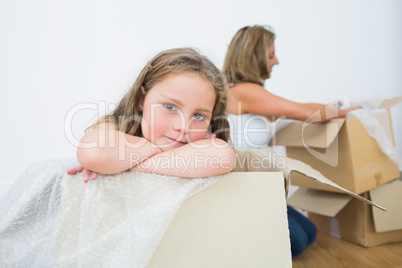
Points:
(208, 232)
(341, 150)
(344, 217)
(240, 221)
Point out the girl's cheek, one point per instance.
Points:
(198, 129)
(160, 125)
(145, 128)
(154, 125)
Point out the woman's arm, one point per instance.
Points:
(203, 158)
(253, 98)
(108, 151)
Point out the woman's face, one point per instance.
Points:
(178, 110)
(272, 59)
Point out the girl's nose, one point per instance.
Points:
(180, 124)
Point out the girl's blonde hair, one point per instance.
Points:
(247, 56)
(127, 115)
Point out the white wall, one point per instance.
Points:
(57, 54)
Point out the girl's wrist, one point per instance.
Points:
(155, 148)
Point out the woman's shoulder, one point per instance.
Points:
(246, 85)
(247, 94)
(246, 88)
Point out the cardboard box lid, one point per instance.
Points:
(388, 103)
(316, 135)
(319, 202)
(295, 166)
(329, 204)
(240, 221)
(292, 168)
(389, 195)
(299, 134)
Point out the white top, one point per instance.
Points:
(253, 131)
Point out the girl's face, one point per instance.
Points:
(178, 110)
(272, 59)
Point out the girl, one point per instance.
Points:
(249, 62)
(172, 122)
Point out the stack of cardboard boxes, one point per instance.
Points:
(345, 153)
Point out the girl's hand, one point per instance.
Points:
(86, 173)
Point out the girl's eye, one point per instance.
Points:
(170, 107)
(199, 117)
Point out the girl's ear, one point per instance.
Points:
(142, 98)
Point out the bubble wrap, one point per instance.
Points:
(51, 219)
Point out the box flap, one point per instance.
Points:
(390, 195)
(390, 102)
(320, 202)
(300, 134)
(269, 161)
(295, 166)
(314, 135)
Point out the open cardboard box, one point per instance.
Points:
(240, 221)
(341, 216)
(341, 150)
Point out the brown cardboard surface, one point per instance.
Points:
(388, 103)
(323, 203)
(341, 150)
(240, 221)
(355, 223)
(295, 168)
(349, 224)
(313, 135)
(389, 195)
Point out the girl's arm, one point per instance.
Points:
(108, 151)
(203, 158)
(253, 98)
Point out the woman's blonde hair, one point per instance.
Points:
(127, 115)
(247, 56)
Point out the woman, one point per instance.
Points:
(249, 62)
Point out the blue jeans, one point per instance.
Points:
(302, 231)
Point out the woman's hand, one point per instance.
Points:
(318, 113)
(85, 172)
(344, 112)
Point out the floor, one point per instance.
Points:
(329, 251)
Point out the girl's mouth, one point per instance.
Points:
(176, 141)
